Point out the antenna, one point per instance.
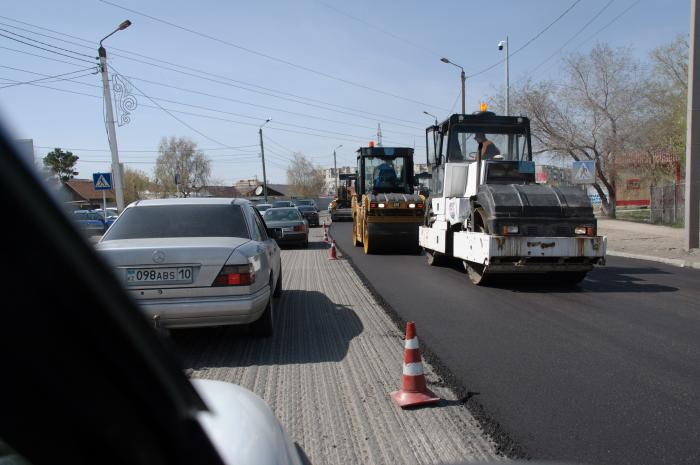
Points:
(379, 134)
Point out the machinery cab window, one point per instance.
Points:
(385, 174)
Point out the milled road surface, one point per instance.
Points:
(608, 373)
(328, 371)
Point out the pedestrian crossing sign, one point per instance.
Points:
(102, 181)
(584, 172)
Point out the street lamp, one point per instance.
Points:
(430, 114)
(111, 130)
(501, 45)
(262, 154)
(335, 167)
(463, 76)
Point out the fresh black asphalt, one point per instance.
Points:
(604, 373)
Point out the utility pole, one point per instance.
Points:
(379, 134)
(692, 146)
(262, 154)
(463, 76)
(111, 130)
(335, 167)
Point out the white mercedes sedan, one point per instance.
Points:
(197, 262)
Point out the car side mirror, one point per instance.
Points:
(275, 233)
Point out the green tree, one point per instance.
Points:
(180, 156)
(61, 164)
(136, 182)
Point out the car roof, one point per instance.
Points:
(190, 201)
(281, 208)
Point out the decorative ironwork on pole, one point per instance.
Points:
(124, 98)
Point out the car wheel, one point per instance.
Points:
(263, 326)
(278, 286)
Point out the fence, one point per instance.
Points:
(667, 204)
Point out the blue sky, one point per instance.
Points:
(383, 47)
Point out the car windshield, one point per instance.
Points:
(281, 203)
(145, 222)
(306, 208)
(386, 174)
(286, 214)
(262, 208)
(465, 144)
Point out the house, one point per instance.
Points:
(83, 194)
(219, 191)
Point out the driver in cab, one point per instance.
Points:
(384, 177)
(487, 148)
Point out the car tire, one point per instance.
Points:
(306, 244)
(278, 286)
(264, 326)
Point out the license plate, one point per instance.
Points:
(179, 275)
(396, 204)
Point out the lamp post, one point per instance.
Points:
(430, 114)
(335, 167)
(262, 154)
(111, 130)
(501, 45)
(463, 77)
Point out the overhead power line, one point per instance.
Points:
(270, 57)
(45, 78)
(44, 48)
(303, 100)
(535, 37)
(48, 45)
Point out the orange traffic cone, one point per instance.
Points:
(325, 233)
(413, 386)
(333, 255)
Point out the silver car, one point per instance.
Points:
(197, 262)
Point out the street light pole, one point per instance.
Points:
(463, 78)
(335, 168)
(111, 130)
(262, 154)
(507, 109)
(692, 146)
(430, 114)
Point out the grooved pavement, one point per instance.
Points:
(329, 368)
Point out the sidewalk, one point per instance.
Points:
(647, 242)
(328, 371)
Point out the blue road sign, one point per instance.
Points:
(102, 181)
(584, 172)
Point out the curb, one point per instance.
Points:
(668, 261)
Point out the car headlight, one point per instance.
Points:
(510, 229)
(381, 205)
(411, 205)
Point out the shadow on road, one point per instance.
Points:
(309, 328)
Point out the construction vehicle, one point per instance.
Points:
(341, 207)
(486, 209)
(386, 213)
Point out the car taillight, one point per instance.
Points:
(235, 275)
(298, 228)
(583, 230)
(373, 205)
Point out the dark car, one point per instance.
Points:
(294, 227)
(91, 222)
(282, 203)
(263, 207)
(305, 202)
(310, 214)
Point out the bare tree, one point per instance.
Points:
(592, 115)
(179, 157)
(305, 179)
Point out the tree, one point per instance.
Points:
(305, 179)
(180, 156)
(136, 182)
(593, 114)
(61, 164)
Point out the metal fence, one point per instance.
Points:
(667, 204)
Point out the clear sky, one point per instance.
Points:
(326, 72)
